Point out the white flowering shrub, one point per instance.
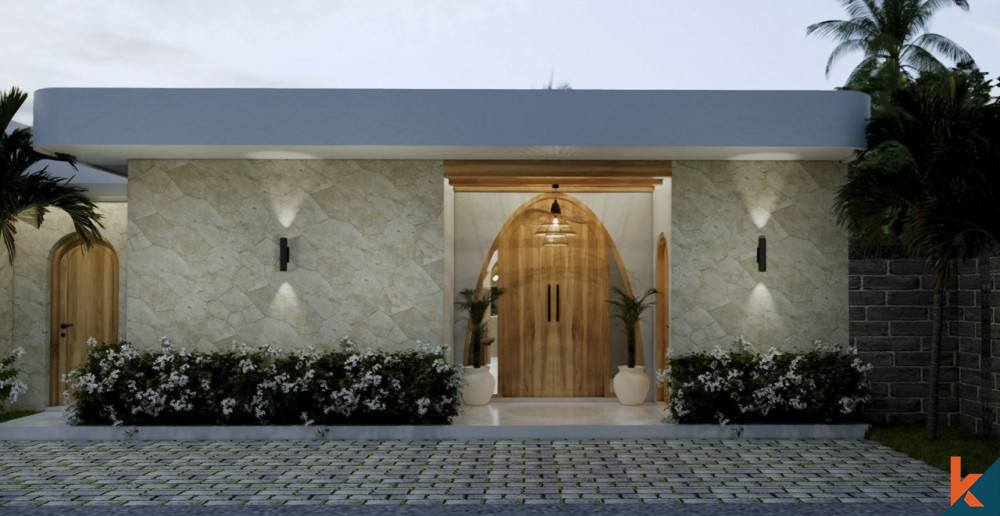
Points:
(826, 385)
(11, 387)
(122, 386)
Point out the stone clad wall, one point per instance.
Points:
(31, 292)
(892, 326)
(719, 210)
(6, 304)
(366, 240)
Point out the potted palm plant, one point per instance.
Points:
(480, 383)
(631, 383)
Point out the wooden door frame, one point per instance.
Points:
(662, 312)
(57, 291)
(523, 210)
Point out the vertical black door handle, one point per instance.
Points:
(548, 305)
(557, 302)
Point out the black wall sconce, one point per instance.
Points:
(283, 254)
(761, 254)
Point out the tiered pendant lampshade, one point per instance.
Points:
(554, 230)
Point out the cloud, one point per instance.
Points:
(989, 30)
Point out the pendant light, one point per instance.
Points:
(555, 230)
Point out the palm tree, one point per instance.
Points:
(477, 307)
(551, 85)
(967, 124)
(890, 34)
(929, 173)
(24, 191)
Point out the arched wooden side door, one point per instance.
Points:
(84, 305)
(662, 311)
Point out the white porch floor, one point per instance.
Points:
(500, 412)
(560, 412)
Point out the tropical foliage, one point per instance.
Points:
(826, 385)
(11, 387)
(929, 175)
(121, 385)
(27, 190)
(929, 180)
(629, 309)
(889, 34)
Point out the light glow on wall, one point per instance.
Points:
(285, 301)
(761, 300)
(286, 206)
(280, 154)
(760, 198)
(760, 216)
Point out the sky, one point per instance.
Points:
(512, 44)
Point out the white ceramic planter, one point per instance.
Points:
(480, 385)
(631, 385)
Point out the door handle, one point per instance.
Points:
(548, 305)
(557, 302)
(63, 326)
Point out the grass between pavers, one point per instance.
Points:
(14, 414)
(978, 453)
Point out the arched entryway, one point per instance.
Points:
(84, 305)
(554, 330)
(662, 311)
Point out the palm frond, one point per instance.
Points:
(932, 6)
(25, 188)
(845, 47)
(10, 102)
(861, 8)
(919, 59)
(943, 46)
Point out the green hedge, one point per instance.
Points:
(826, 385)
(123, 386)
(11, 385)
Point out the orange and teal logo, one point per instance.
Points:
(976, 494)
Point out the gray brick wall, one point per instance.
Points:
(891, 303)
(966, 326)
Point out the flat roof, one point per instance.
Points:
(108, 126)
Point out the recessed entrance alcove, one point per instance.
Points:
(553, 334)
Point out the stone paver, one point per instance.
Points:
(518, 471)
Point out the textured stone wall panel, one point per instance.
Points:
(6, 303)
(366, 241)
(719, 210)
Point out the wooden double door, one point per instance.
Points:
(553, 318)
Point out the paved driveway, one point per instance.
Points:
(431, 473)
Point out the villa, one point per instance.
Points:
(298, 217)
